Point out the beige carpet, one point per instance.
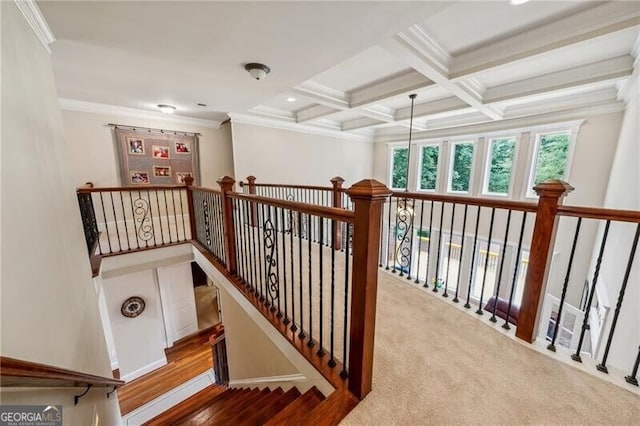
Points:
(437, 365)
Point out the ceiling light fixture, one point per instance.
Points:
(518, 2)
(257, 71)
(167, 109)
(291, 99)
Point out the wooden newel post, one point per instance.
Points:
(188, 181)
(336, 183)
(226, 186)
(368, 197)
(252, 191)
(550, 194)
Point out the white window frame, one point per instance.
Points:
(392, 149)
(438, 167)
(487, 166)
(452, 148)
(533, 159)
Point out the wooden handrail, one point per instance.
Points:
(17, 372)
(291, 186)
(471, 201)
(600, 213)
(87, 189)
(209, 190)
(326, 212)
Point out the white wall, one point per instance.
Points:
(286, 156)
(49, 305)
(139, 341)
(93, 156)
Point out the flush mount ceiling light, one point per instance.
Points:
(518, 2)
(257, 71)
(167, 109)
(291, 99)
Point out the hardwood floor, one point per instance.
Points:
(187, 359)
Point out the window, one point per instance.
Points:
(552, 151)
(399, 168)
(429, 167)
(462, 159)
(500, 164)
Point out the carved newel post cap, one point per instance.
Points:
(226, 183)
(188, 180)
(337, 181)
(88, 184)
(553, 188)
(251, 179)
(369, 189)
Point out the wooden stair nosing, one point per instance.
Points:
(298, 408)
(192, 404)
(269, 410)
(231, 405)
(230, 413)
(209, 410)
(332, 410)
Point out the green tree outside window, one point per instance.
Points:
(553, 151)
(501, 165)
(399, 168)
(429, 167)
(461, 170)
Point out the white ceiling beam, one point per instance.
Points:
(323, 95)
(390, 87)
(314, 112)
(432, 107)
(595, 22)
(420, 52)
(359, 123)
(602, 71)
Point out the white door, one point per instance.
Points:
(178, 301)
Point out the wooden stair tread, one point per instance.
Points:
(230, 414)
(200, 416)
(229, 406)
(298, 408)
(188, 406)
(257, 416)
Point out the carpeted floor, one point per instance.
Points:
(437, 365)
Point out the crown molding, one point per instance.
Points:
(325, 128)
(36, 21)
(97, 108)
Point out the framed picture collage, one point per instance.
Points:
(156, 158)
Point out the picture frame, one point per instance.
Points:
(182, 147)
(180, 177)
(137, 177)
(160, 152)
(162, 171)
(135, 146)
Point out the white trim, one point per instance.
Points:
(170, 399)
(36, 21)
(98, 108)
(360, 136)
(144, 370)
(265, 381)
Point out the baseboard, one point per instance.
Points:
(285, 382)
(144, 370)
(168, 400)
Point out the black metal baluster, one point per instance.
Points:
(106, 224)
(417, 281)
(175, 213)
(247, 244)
(301, 335)
(381, 237)
(263, 266)
(345, 360)
(446, 280)
(239, 221)
(389, 232)
(585, 323)
(603, 365)
(396, 233)
(437, 279)
(462, 238)
(426, 276)
(413, 212)
(124, 219)
(184, 227)
(310, 342)
(321, 293)
(552, 345)
(473, 259)
(516, 269)
(504, 250)
(133, 215)
(166, 210)
(115, 221)
(284, 266)
(220, 222)
(254, 255)
(633, 377)
(159, 215)
(332, 361)
(486, 262)
(236, 233)
(293, 283)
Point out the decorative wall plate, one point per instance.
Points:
(132, 307)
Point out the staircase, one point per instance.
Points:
(217, 405)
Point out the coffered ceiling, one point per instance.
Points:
(349, 65)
